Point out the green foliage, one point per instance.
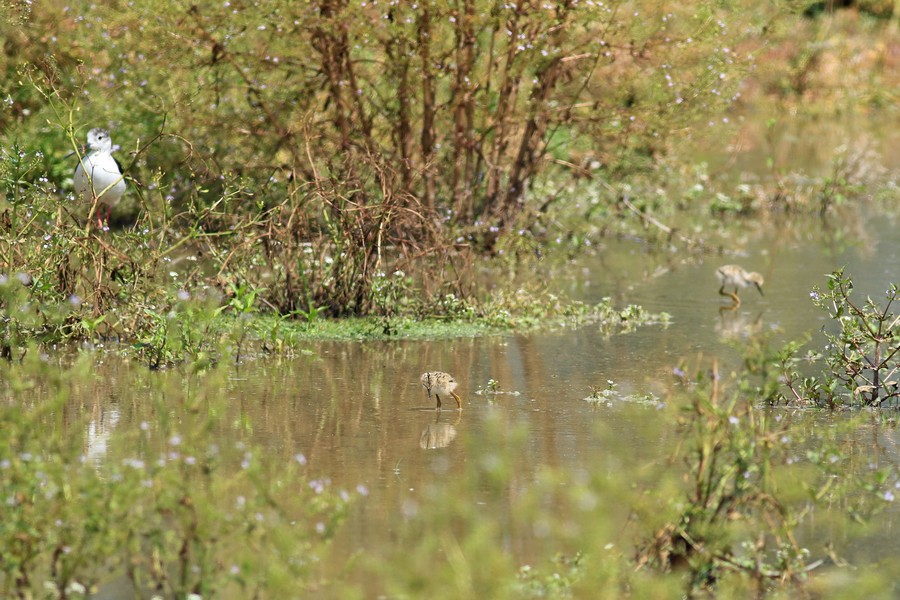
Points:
(361, 140)
(382, 111)
(179, 514)
(393, 294)
(186, 329)
(732, 516)
(863, 356)
(558, 584)
(859, 362)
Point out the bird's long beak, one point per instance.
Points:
(759, 287)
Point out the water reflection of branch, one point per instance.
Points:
(669, 231)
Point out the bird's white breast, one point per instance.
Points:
(107, 180)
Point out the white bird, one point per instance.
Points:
(733, 275)
(98, 176)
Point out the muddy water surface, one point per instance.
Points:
(358, 414)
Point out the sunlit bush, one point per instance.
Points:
(857, 365)
(393, 111)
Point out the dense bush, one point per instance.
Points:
(856, 366)
(411, 106)
(302, 149)
(334, 140)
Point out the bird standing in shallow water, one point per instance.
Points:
(98, 176)
(440, 384)
(733, 275)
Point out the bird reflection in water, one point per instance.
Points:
(438, 434)
(735, 325)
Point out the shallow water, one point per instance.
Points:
(358, 414)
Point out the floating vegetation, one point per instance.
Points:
(492, 388)
(610, 396)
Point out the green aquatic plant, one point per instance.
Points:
(731, 517)
(600, 396)
(565, 573)
(859, 363)
(863, 356)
